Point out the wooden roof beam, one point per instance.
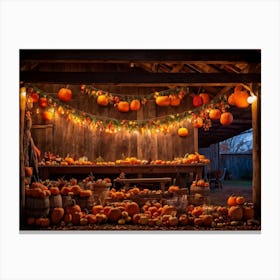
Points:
(143, 79)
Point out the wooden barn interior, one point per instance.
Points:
(107, 139)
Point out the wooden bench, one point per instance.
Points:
(127, 182)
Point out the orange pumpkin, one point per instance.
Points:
(231, 201)
(76, 218)
(69, 160)
(132, 208)
(163, 100)
(47, 116)
(123, 106)
(173, 189)
(65, 190)
(28, 171)
(67, 218)
(97, 209)
(231, 99)
(135, 105)
(183, 219)
(197, 101)
(76, 189)
(215, 114)
(57, 215)
(54, 190)
(226, 118)
(35, 97)
(42, 222)
(183, 131)
(237, 88)
(205, 98)
(197, 211)
(235, 213)
(65, 94)
(240, 200)
(85, 193)
(74, 209)
(91, 219)
(240, 99)
(174, 100)
(43, 102)
(102, 100)
(197, 122)
(114, 214)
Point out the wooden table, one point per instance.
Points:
(140, 171)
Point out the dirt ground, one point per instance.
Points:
(219, 196)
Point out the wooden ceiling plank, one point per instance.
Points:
(119, 56)
(139, 78)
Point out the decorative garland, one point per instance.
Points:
(116, 98)
(199, 117)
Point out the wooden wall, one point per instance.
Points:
(64, 137)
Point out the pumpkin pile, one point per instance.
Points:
(50, 158)
(154, 213)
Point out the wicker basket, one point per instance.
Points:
(100, 192)
(198, 199)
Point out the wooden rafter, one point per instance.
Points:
(130, 78)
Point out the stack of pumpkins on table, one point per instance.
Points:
(54, 159)
(62, 204)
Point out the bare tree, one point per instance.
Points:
(237, 144)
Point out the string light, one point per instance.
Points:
(251, 99)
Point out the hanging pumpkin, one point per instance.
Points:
(226, 118)
(135, 105)
(35, 97)
(65, 94)
(47, 115)
(183, 131)
(197, 122)
(205, 97)
(102, 100)
(163, 100)
(197, 101)
(43, 102)
(123, 106)
(240, 99)
(231, 100)
(174, 100)
(215, 114)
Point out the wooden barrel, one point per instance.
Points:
(85, 202)
(55, 201)
(37, 207)
(67, 201)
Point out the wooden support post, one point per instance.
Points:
(195, 139)
(256, 124)
(22, 170)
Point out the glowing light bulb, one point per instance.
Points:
(251, 99)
